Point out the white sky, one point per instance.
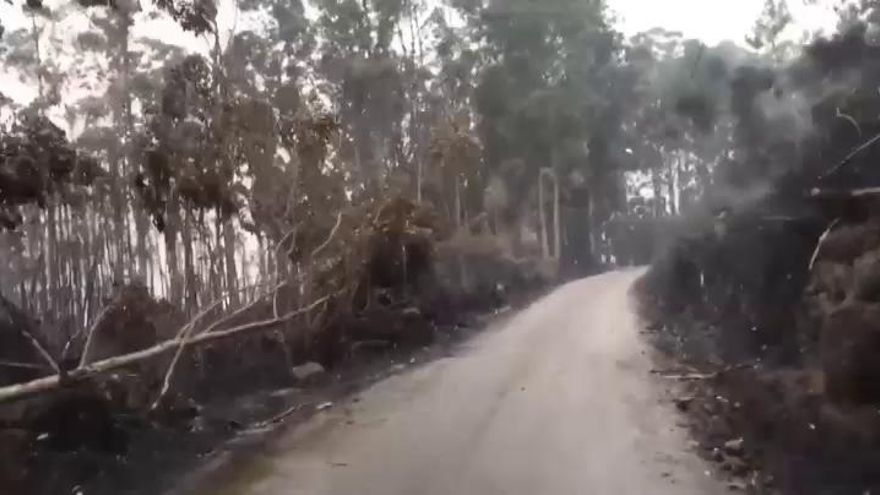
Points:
(711, 21)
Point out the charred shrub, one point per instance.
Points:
(738, 287)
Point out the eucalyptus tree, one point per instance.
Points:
(546, 100)
(364, 75)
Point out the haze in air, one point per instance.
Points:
(234, 234)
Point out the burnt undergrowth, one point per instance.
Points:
(398, 293)
(767, 319)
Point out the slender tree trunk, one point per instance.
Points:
(557, 227)
(109, 258)
(87, 274)
(117, 204)
(672, 185)
(591, 214)
(577, 256)
(142, 250)
(189, 282)
(457, 202)
(165, 281)
(550, 173)
(359, 166)
(172, 224)
(659, 210)
(545, 247)
(51, 255)
(35, 36)
(66, 259)
(24, 304)
(231, 270)
(138, 250)
(211, 269)
(74, 257)
(418, 180)
(415, 102)
(263, 257)
(212, 265)
(37, 242)
(151, 262)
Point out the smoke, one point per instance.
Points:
(779, 121)
(788, 113)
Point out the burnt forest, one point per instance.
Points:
(218, 217)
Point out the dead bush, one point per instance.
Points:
(847, 242)
(850, 340)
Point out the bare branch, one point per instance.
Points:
(90, 335)
(187, 331)
(87, 347)
(90, 289)
(217, 324)
(850, 119)
(32, 340)
(330, 237)
(184, 336)
(844, 193)
(26, 366)
(46, 384)
(821, 242)
(278, 417)
(40, 349)
(869, 143)
(283, 240)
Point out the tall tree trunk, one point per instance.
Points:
(40, 281)
(672, 185)
(172, 225)
(51, 255)
(418, 180)
(263, 253)
(659, 209)
(545, 246)
(41, 97)
(457, 202)
(117, 204)
(557, 227)
(577, 253)
(109, 273)
(231, 270)
(210, 270)
(142, 255)
(35, 37)
(73, 257)
(141, 222)
(592, 215)
(189, 274)
(88, 270)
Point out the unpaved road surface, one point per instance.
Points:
(559, 400)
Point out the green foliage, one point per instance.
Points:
(546, 95)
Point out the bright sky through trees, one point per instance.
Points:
(712, 21)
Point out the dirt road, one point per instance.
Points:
(557, 401)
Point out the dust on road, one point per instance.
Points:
(557, 401)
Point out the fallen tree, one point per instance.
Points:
(370, 266)
(356, 287)
(49, 383)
